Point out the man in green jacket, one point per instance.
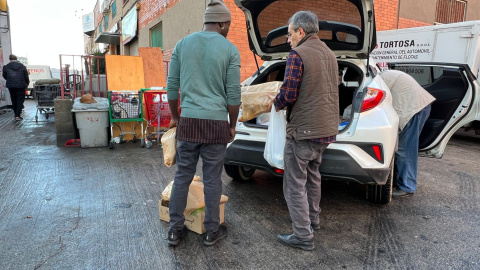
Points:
(205, 66)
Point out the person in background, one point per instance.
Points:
(16, 75)
(310, 94)
(206, 68)
(412, 104)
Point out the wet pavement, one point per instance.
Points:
(96, 208)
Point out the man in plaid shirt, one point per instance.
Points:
(310, 94)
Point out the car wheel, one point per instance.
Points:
(239, 173)
(381, 194)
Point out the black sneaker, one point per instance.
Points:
(174, 236)
(295, 242)
(211, 238)
(315, 227)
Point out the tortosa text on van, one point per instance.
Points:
(396, 44)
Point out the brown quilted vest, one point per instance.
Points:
(315, 114)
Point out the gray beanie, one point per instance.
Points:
(217, 12)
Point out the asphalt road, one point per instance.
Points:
(73, 208)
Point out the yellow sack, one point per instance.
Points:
(256, 99)
(169, 143)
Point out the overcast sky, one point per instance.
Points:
(43, 29)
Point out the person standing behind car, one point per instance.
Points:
(206, 68)
(310, 94)
(16, 75)
(413, 105)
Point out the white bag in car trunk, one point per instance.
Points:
(276, 138)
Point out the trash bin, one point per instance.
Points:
(92, 122)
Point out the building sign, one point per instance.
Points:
(402, 48)
(88, 22)
(129, 26)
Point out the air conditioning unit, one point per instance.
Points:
(105, 7)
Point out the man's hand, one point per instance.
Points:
(270, 100)
(173, 123)
(232, 134)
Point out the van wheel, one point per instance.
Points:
(381, 194)
(239, 173)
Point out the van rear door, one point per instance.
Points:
(456, 91)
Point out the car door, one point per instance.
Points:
(456, 90)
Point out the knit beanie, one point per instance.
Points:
(217, 11)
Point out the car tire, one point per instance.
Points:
(239, 173)
(381, 194)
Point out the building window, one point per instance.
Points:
(100, 28)
(156, 36)
(450, 11)
(105, 20)
(114, 9)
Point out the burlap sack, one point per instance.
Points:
(169, 144)
(257, 98)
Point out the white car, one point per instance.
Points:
(368, 124)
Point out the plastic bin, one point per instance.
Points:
(92, 122)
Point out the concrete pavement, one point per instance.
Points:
(96, 208)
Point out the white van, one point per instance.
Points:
(37, 72)
(457, 43)
(427, 52)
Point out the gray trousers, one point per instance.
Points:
(302, 184)
(187, 159)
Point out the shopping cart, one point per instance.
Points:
(44, 95)
(157, 113)
(125, 106)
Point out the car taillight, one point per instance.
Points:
(372, 99)
(374, 150)
(378, 153)
(279, 171)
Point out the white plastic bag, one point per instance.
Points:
(276, 138)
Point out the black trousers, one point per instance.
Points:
(17, 95)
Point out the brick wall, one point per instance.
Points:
(386, 14)
(97, 15)
(152, 9)
(167, 55)
(238, 36)
(406, 23)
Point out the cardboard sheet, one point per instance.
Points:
(153, 67)
(124, 72)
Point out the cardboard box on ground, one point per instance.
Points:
(195, 210)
